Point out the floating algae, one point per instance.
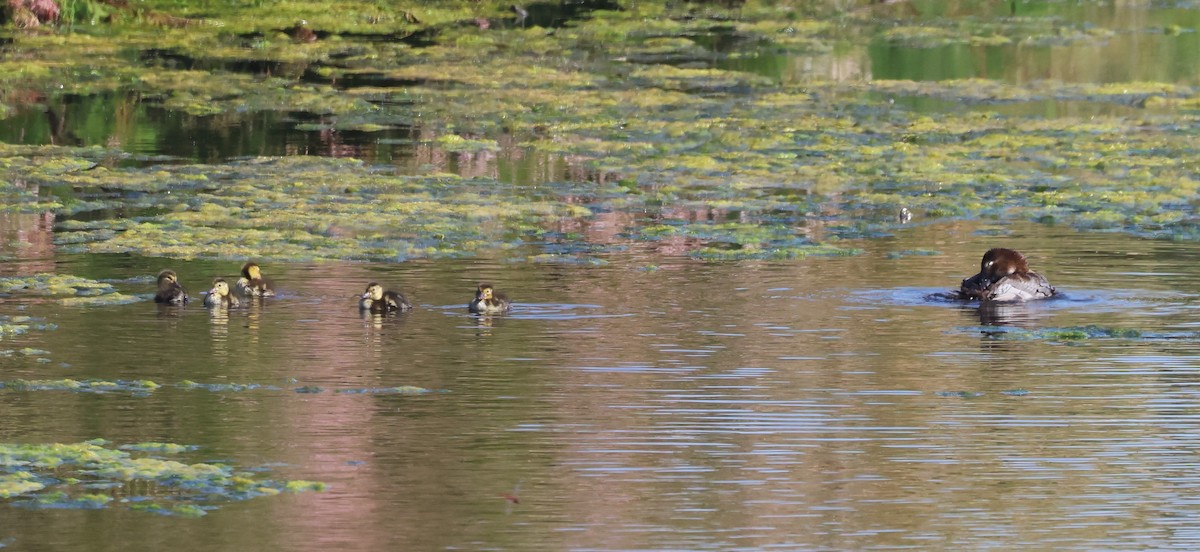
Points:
(59, 476)
(1065, 334)
(142, 387)
(639, 92)
(17, 325)
(400, 390)
(81, 386)
(313, 208)
(54, 284)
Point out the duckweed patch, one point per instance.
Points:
(65, 475)
(960, 394)
(17, 325)
(1066, 334)
(224, 387)
(54, 284)
(166, 448)
(81, 386)
(303, 208)
(912, 253)
(400, 390)
(143, 387)
(635, 92)
(107, 299)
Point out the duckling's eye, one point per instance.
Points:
(989, 264)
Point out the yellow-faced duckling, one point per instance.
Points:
(252, 284)
(1004, 275)
(219, 295)
(378, 301)
(169, 290)
(489, 301)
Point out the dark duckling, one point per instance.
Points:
(169, 290)
(489, 301)
(219, 295)
(378, 301)
(1003, 276)
(252, 284)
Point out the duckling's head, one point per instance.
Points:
(167, 276)
(251, 271)
(374, 292)
(1000, 262)
(485, 292)
(220, 288)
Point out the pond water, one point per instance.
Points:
(640, 395)
(655, 402)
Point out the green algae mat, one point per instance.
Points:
(780, 168)
(83, 476)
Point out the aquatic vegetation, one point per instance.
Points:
(114, 298)
(960, 394)
(80, 386)
(400, 390)
(772, 252)
(1085, 332)
(912, 253)
(84, 292)
(224, 387)
(303, 208)
(54, 284)
(558, 258)
(60, 475)
(454, 142)
(141, 387)
(167, 448)
(1065, 334)
(620, 91)
(17, 325)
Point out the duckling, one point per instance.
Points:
(376, 300)
(219, 295)
(169, 290)
(1004, 275)
(489, 301)
(252, 284)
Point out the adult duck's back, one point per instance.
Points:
(1003, 276)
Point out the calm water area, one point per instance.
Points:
(651, 401)
(818, 405)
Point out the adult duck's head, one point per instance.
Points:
(1000, 262)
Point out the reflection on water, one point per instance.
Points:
(824, 403)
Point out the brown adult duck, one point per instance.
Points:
(1004, 275)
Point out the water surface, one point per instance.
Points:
(654, 402)
(638, 397)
